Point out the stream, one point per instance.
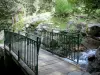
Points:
(83, 56)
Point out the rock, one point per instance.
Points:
(98, 54)
(94, 30)
(94, 63)
(56, 31)
(46, 41)
(83, 34)
(63, 32)
(96, 73)
(50, 43)
(91, 58)
(81, 26)
(38, 18)
(90, 43)
(44, 26)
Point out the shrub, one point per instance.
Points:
(63, 8)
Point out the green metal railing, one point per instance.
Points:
(64, 45)
(25, 48)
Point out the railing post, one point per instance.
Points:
(10, 47)
(78, 48)
(5, 48)
(18, 47)
(37, 45)
(37, 54)
(18, 55)
(10, 37)
(4, 40)
(52, 41)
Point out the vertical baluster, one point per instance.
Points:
(70, 46)
(30, 53)
(27, 50)
(34, 53)
(74, 46)
(18, 43)
(78, 48)
(67, 46)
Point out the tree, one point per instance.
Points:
(9, 7)
(91, 5)
(5, 13)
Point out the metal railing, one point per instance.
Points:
(64, 45)
(25, 48)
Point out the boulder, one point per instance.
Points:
(94, 30)
(44, 26)
(90, 42)
(63, 32)
(49, 43)
(98, 54)
(94, 63)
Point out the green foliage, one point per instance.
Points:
(9, 7)
(97, 15)
(32, 26)
(18, 26)
(5, 13)
(59, 21)
(63, 8)
(73, 1)
(90, 6)
(6, 8)
(4, 24)
(45, 6)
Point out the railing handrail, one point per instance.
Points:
(72, 40)
(26, 49)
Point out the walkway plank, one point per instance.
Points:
(50, 64)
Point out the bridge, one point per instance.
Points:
(28, 55)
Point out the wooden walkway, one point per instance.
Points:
(50, 64)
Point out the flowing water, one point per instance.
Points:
(83, 58)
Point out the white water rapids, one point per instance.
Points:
(83, 62)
